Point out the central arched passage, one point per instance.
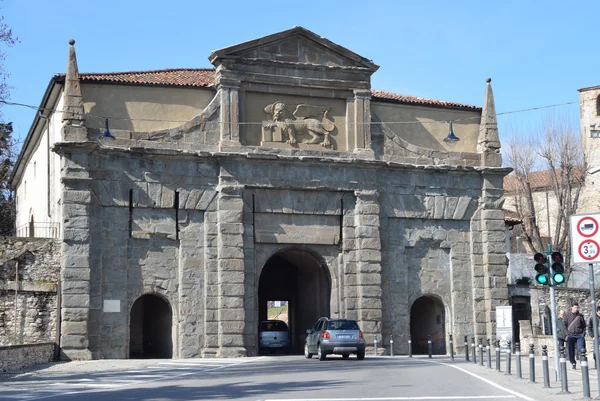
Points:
(301, 278)
(427, 319)
(150, 327)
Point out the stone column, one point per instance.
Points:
(229, 118)
(75, 263)
(368, 264)
(231, 275)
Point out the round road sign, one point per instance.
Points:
(588, 249)
(587, 227)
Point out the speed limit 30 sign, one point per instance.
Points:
(585, 237)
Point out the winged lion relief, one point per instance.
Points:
(304, 120)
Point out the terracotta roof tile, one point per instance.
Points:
(204, 77)
(538, 180)
(397, 98)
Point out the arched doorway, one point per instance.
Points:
(150, 328)
(300, 278)
(427, 318)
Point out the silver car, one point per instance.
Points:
(273, 335)
(334, 336)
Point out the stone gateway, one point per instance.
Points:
(189, 198)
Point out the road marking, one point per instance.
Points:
(449, 397)
(152, 380)
(523, 396)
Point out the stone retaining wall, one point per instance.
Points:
(16, 357)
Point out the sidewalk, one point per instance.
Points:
(535, 390)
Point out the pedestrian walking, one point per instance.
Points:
(574, 325)
(591, 331)
(560, 330)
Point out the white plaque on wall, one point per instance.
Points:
(112, 305)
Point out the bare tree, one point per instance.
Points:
(7, 142)
(551, 161)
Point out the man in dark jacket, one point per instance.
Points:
(574, 325)
(591, 329)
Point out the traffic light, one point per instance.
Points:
(558, 268)
(542, 268)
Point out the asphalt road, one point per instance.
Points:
(271, 378)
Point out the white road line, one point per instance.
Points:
(523, 396)
(16, 397)
(185, 364)
(449, 397)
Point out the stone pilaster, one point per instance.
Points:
(362, 121)
(368, 264)
(230, 113)
(495, 263)
(231, 273)
(75, 264)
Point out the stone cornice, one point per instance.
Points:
(247, 153)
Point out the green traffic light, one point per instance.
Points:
(558, 278)
(542, 279)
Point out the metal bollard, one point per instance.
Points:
(563, 372)
(480, 352)
(508, 357)
(451, 347)
(545, 368)
(429, 346)
(473, 350)
(531, 364)
(498, 356)
(489, 354)
(466, 348)
(409, 346)
(518, 360)
(585, 373)
(375, 343)
(391, 345)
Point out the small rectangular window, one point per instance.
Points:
(595, 132)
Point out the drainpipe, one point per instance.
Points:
(16, 300)
(58, 322)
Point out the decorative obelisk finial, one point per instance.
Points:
(73, 108)
(488, 141)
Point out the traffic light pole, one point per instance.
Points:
(594, 318)
(553, 316)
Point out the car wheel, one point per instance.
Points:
(307, 354)
(322, 355)
(360, 355)
(345, 356)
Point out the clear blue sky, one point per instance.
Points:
(537, 52)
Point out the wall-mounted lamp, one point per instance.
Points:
(106, 133)
(451, 139)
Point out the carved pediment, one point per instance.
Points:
(297, 45)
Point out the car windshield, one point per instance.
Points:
(273, 326)
(342, 325)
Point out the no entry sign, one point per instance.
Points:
(585, 237)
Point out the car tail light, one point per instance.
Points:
(326, 335)
(360, 335)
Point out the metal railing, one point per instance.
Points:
(38, 230)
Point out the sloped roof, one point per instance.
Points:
(538, 180)
(204, 77)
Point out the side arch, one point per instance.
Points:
(428, 318)
(151, 327)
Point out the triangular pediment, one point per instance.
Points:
(296, 45)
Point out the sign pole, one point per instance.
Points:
(594, 317)
(553, 316)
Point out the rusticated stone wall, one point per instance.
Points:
(29, 270)
(17, 357)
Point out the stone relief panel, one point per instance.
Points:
(305, 119)
(294, 122)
